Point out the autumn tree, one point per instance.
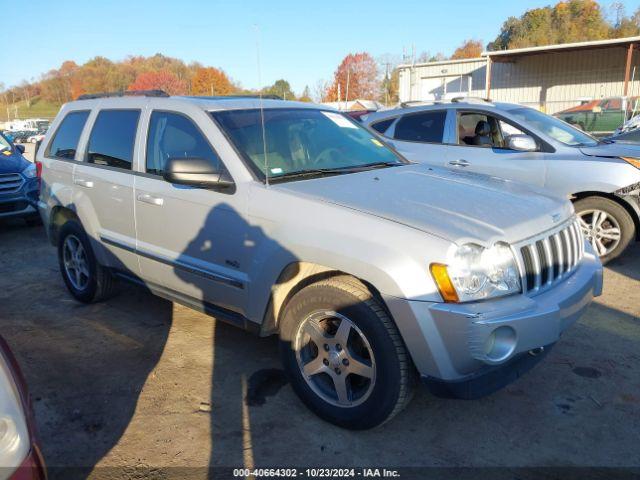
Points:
(162, 80)
(468, 49)
(356, 77)
(210, 81)
(567, 21)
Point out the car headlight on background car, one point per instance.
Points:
(30, 171)
(14, 433)
(477, 273)
(632, 161)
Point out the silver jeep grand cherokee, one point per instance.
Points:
(286, 218)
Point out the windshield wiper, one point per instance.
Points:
(318, 172)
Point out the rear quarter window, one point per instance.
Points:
(383, 125)
(65, 140)
(425, 127)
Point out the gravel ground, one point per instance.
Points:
(135, 385)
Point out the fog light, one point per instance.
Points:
(500, 344)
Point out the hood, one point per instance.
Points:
(13, 163)
(614, 149)
(458, 206)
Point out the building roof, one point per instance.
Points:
(497, 55)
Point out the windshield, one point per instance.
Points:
(300, 140)
(555, 128)
(4, 144)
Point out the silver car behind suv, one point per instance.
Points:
(286, 218)
(602, 177)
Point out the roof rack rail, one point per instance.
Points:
(417, 103)
(124, 93)
(227, 97)
(470, 100)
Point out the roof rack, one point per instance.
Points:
(470, 100)
(124, 93)
(228, 97)
(417, 103)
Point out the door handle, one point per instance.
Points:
(459, 163)
(83, 183)
(150, 199)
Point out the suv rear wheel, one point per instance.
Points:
(343, 354)
(84, 277)
(606, 225)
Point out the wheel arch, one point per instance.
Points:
(293, 278)
(635, 215)
(59, 216)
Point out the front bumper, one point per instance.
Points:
(459, 342)
(21, 203)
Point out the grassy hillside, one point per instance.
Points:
(39, 109)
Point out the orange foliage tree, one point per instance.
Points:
(468, 49)
(161, 80)
(361, 71)
(210, 81)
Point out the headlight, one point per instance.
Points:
(476, 273)
(14, 435)
(30, 171)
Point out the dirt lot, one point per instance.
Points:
(138, 382)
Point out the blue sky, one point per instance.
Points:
(301, 41)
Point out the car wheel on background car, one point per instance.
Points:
(344, 355)
(606, 225)
(85, 278)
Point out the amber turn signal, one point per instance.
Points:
(633, 161)
(446, 288)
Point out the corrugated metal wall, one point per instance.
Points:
(550, 81)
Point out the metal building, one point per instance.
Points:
(551, 78)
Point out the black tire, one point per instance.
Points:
(618, 213)
(100, 284)
(394, 375)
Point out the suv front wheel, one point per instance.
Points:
(606, 225)
(343, 354)
(84, 277)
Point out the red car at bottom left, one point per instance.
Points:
(20, 454)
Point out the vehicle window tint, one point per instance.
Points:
(172, 135)
(427, 127)
(65, 140)
(112, 138)
(383, 125)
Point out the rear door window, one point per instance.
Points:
(172, 135)
(65, 140)
(425, 127)
(113, 137)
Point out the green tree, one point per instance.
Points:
(306, 95)
(280, 88)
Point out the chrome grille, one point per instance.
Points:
(10, 183)
(551, 257)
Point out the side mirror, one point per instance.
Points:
(20, 148)
(197, 172)
(521, 143)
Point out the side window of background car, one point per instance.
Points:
(172, 135)
(65, 140)
(426, 127)
(113, 137)
(383, 125)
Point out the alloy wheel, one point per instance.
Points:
(75, 262)
(601, 229)
(335, 358)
